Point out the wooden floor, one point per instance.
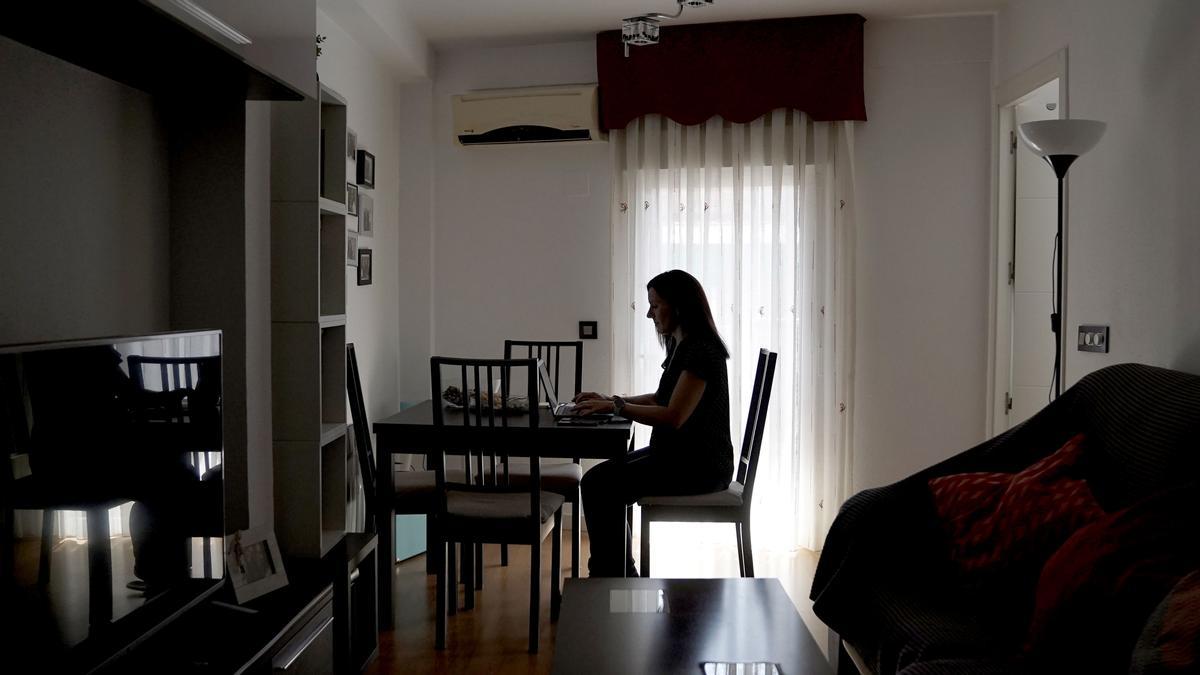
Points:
(493, 637)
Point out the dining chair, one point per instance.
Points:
(560, 478)
(471, 513)
(413, 492)
(731, 505)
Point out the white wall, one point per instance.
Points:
(372, 311)
(84, 244)
(521, 233)
(922, 259)
(1134, 207)
(415, 254)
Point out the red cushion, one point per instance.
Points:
(1097, 590)
(998, 522)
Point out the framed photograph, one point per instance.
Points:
(366, 215)
(253, 562)
(351, 143)
(366, 169)
(351, 199)
(352, 249)
(364, 267)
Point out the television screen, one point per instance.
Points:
(111, 490)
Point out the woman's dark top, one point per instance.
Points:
(702, 443)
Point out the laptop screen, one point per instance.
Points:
(547, 385)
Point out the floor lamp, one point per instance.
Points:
(1060, 143)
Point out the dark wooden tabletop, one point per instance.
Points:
(412, 431)
(620, 626)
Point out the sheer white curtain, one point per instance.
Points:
(762, 215)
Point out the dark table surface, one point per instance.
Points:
(412, 431)
(698, 620)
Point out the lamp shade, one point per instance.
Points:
(1062, 137)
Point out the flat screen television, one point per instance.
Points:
(112, 494)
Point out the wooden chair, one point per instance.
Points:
(413, 492)
(493, 514)
(731, 505)
(561, 479)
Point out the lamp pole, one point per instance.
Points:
(1060, 164)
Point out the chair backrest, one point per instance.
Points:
(362, 434)
(551, 353)
(481, 409)
(760, 402)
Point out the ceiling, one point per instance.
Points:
(446, 23)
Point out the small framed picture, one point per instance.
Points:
(352, 249)
(366, 215)
(254, 564)
(366, 169)
(351, 199)
(364, 267)
(351, 143)
(588, 330)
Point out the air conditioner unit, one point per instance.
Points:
(563, 113)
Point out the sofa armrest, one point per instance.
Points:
(881, 536)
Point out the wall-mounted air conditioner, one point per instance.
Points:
(563, 113)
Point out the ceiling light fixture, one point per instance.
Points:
(642, 30)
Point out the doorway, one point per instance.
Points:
(1025, 223)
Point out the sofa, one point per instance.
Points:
(1108, 593)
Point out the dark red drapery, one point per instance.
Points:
(739, 70)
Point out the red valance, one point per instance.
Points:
(739, 70)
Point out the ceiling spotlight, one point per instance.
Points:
(639, 31)
(642, 30)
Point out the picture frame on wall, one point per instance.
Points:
(364, 267)
(351, 199)
(351, 143)
(365, 175)
(253, 563)
(352, 249)
(366, 215)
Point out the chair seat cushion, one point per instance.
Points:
(415, 489)
(560, 479)
(730, 496)
(496, 517)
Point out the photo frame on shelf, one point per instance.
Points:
(253, 563)
(351, 199)
(352, 249)
(351, 143)
(364, 267)
(366, 215)
(365, 174)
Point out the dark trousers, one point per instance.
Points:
(610, 487)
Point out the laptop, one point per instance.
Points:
(557, 408)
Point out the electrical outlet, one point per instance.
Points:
(1093, 339)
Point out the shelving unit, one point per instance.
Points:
(308, 315)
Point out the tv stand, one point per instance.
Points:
(323, 621)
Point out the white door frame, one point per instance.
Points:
(1004, 97)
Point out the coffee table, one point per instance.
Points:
(675, 625)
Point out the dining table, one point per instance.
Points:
(412, 431)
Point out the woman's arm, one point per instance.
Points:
(684, 399)
(593, 396)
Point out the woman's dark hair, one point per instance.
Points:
(689, 304)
